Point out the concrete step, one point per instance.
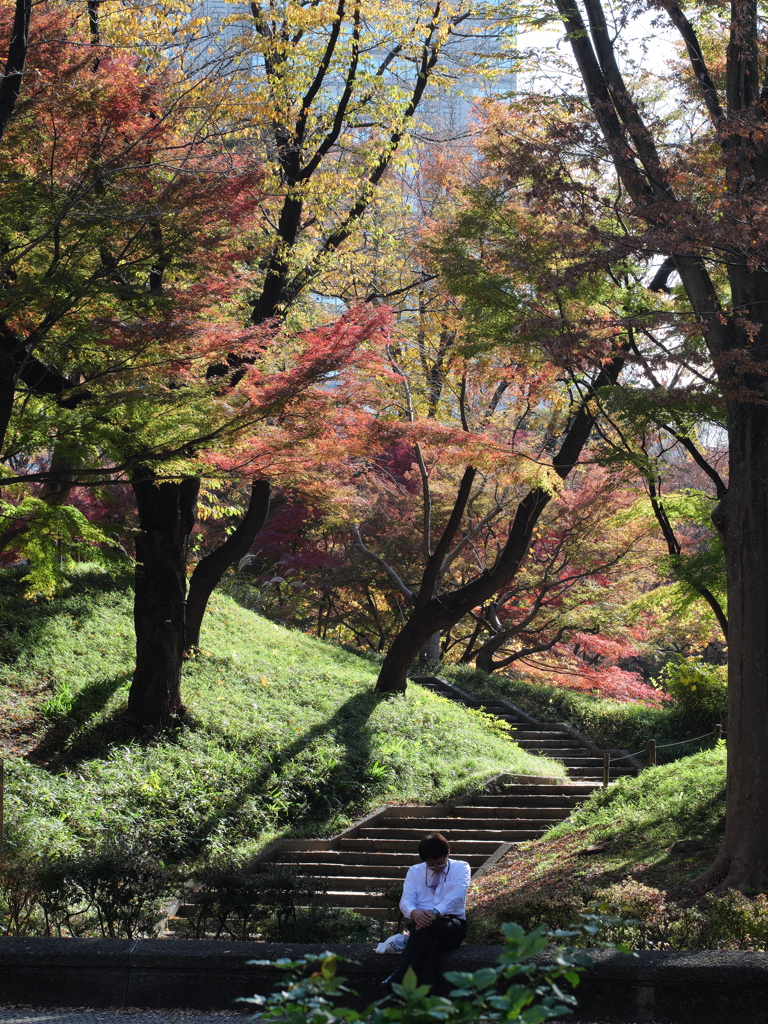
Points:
(358, 857)
(381, 875)
(457, 837)
(362, 856)
(511, 799)
(458, 847)
(548, 743)
(355, 899)
(541, 734)
(587, 759)
(563, 754)
(350, 883)
(497, 818)
(521, 800)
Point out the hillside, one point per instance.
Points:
(282, 734)
(637, 845)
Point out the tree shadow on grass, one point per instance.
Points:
(343, 782)
(73, 736)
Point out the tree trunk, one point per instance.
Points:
(166, 518)
(403, 651)
(743, 859)
(430, 649)
(484, 658)
(210, 569)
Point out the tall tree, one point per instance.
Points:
(717, 250)
(126, 244)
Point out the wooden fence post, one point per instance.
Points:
(718, 733)
(651, 753)
(606, 768)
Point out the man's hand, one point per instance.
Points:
(423, 918)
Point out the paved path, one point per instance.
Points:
(131, 1015)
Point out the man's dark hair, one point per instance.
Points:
(432, 846)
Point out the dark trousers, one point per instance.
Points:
(425, 945)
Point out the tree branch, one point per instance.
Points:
(435, 563)
(13, 74)
(360, 546)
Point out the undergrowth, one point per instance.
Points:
(637, 845)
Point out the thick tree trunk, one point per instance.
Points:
(743, 859)
(404, 649)
(210, 569)
(166, 518)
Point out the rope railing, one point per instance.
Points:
(652, 748)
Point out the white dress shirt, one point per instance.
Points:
(449, 896)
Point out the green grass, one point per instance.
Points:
(608, 723)
(283, 733)
(658, 807)
(620, 836)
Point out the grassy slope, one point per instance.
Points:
(634, 823)
(283, 732)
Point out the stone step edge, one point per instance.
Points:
(269, 853)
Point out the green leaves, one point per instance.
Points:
(533, 994)
(48, 537)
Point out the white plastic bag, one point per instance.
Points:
(394, 944)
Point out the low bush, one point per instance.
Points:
(324, 924)
(518, 988)
(116, 891)
(236, 904)
(647, 919)
(274, 905)
(120, 890)
(700, 691)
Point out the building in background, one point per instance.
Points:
(479, 56)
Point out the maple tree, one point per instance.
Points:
(581, 548)
(680, 193)
(126, 254)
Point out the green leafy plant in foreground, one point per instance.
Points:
(517, 988)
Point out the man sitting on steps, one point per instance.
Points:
(435, 902)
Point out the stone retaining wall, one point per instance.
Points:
(668, 988)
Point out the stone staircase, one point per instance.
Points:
(363, 868)
(562, 742)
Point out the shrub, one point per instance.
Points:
(18, 895)
(123, 884)
(516, 989)
(530, 911)
(235, 903)
(734, 920)
(324, 924)
(115, 891)
(646, 919)
(698, 689)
